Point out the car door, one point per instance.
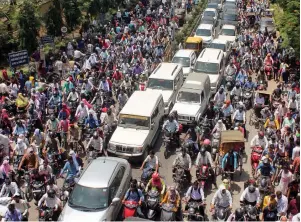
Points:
(116, 191)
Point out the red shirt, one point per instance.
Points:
(117, 75)
(4, 74)
(293, 207)
(64, 125)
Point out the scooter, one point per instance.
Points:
(255, 158)
(167, 212)
(169, 142)
(152, 202)
(268, 71)
(203, 174)
(147, 173)
(130, 209)
(221, 213)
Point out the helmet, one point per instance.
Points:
(207, 142)
(263, 183)
(51, 193)
(239, 213)
(155, 176)
(251, 188)
(203, 150)
(261, 133)
(252, 212)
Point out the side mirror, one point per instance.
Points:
(115, 200)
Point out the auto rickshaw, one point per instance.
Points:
(194, 43)
(230, 139)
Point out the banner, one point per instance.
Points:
(18, 58)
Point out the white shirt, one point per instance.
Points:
(195, 194)
(152, 160)
(219, 98)
(20, 148)
(183, 161)
(256, 141)
(59, 65)
(22, 206)
(296, 152)
(204, 160)
(251, 197)
(96, 143)
(259, 100)
(239, 115)
(73, 96)
(78, 54)
(82, 111)
(42, 169)
(222, 200)
(296, 218)
(49, 202)
(282, 204)
(12, 188)
(293, 104)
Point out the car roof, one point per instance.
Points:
(205, 26)
(165, 70)
(266, 19)
(210, 10)
(141, 103)
(228, 27)
(99, 172)
(184, 53)
(210, 55)
(194, 82)
(220, 41)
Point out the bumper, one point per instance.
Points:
(125, 155)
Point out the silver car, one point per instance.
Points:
(97, 194)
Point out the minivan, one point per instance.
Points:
(211, 62)
(167, 79)
(138, 126)
(193, 98)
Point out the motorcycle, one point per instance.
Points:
(268, 71)
(169, 142)
(251, 213)
(179, 177)
(215, 145)
(46, 214)
(230, 81)
(264, 186)
(91, 154)
(191, 149)
(152, 202)
(255, 158)
(130, 209)
(147, 173)
(205, 129)
(247, 98)
(38, 190)
(167, 212)
(27, 184)
(221, 213)
(235, 102)
(202, 175)
(192, 213)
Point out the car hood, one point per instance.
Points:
(165, 93)
(186, 71)
(129, 136)
(71, 214)
(186, 109)
(228, 37)
(206, 38)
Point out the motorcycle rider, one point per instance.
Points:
(219, 127)
(74, 136)
(82, 111)
(110, 118)
(236, 91)
(71, 167)
(104, 85)
(238, 215)
(9, 188)
(21, 205)
(151, 160)
(20, 128)
(96, 142)
(204, 158)
(227, 110)
(220, 97)
(193, 134)
(260, 140)
(265, 169)
(73, 96)
(52, 144)
(172, 196)
(231, 69)
(268, 60)
(251, 195)
(171, 126)
(230, 161)
(183, 159)
(221, 199)
(272, 123)
(249, 84)
(29, 161)
(50, 200)
(240, 116)
(52, 125)
(195, 193)
(156, 183)
(277, 92)
(122, 99)
(91, 122)
(134, 194)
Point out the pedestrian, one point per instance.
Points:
(12, 214)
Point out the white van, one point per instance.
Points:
(193, 98)
(167, 79)
(211, 62)
(138, 125)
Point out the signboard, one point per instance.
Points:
(47, 40)
(18, 58)
(64, 29)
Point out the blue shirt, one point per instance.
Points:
(249, 85)
(93, 123)
(134, 196)
(265, 171)
(71, 169)
(62, 114)
(225, 159)
(20, 130)
(15, 216)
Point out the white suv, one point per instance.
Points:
(206, 32)
(185, 57)
(228, 32)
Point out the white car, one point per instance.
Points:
(210, 12)
(185, 57)
(223, 44)
(228, 32)
(206, 32)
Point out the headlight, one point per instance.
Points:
(112, 147)
(138, 149)
(192, 118)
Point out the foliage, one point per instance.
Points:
(53, 19)
(287, 17)
(28, 26)
(72, 13)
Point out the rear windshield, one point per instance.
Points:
(218, 46)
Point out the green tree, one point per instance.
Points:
(28, 22)
(72, 13)
(53, 19)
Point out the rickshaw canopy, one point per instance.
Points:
(194, 40)
(232, 136)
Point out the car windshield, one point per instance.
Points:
(160, 84)
(203, 32)
(206, 67)
(188, 97)
(185, 62)
(229, 17)
(212, 5)
(229, 32)
(218, 46)
(88, 198)
(209, 13)
(133, 121)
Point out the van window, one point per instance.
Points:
(202, 96)
(116, 182)
(155, 113)
(161, 104)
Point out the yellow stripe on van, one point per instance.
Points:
(133, 117)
